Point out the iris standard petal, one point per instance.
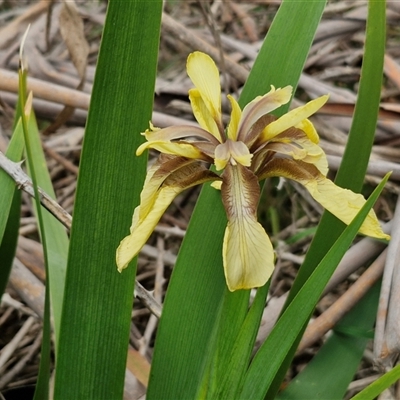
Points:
(259, 107)
(236, 114)
(247, 250)
(203, 115)
(342, 203)
(143, 223)
(293, 118)
(205, 76)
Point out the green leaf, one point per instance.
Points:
(330, 372)
(374, 389)
(355, 160)
(274, 350)
(30, 134)
(197, 288)
(10, 205)
(238, 357)
(98, 300)
(56, 237)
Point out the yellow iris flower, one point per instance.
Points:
(255, 146)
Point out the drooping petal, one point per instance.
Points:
(205, 76)
(247, 250)
(292, 118)
(233, 152)
(156, 176)
(259, 107)
(236, 114)
(178, 132)
(342, 203)
(203, 115)
(345, 205)
(181, 148)
(143, 223)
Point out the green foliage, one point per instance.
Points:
(10, 204)
(381, 384)
(98, 300)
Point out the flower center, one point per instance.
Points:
(233, 152)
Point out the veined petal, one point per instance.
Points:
(292, 118)
(259, 107)
(183, 149)
(342, 203)
(233, 152)
(143, 224)
(156, 175)
(205, 76)
(178, 132)
(247, 251)
(203, 115)
(236, 114)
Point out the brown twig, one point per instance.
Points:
(328, 319)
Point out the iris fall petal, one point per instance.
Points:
(247, 251)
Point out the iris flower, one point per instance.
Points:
(254, 146)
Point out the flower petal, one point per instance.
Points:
(259, 107)
(345, 205)
(236, 114)
(205, 76)
(183, 149)
(342, 203)
(146, 216)
(233, 152)
(296, 143)
(178, 132)
(292, 118)
(247, 251)
(308, 128)
(203, 115)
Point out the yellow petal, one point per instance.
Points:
(247, 251)
(292, 118)
(216, 185)
(342, 203)
(259, 107)
(308, 128)
(236, 114)
(205, 76)
(178, 132)
(203, 115)
(345, 205)
(141, 231)
(157, 174)
(154, 201)
(295, 143)
(182, 149)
